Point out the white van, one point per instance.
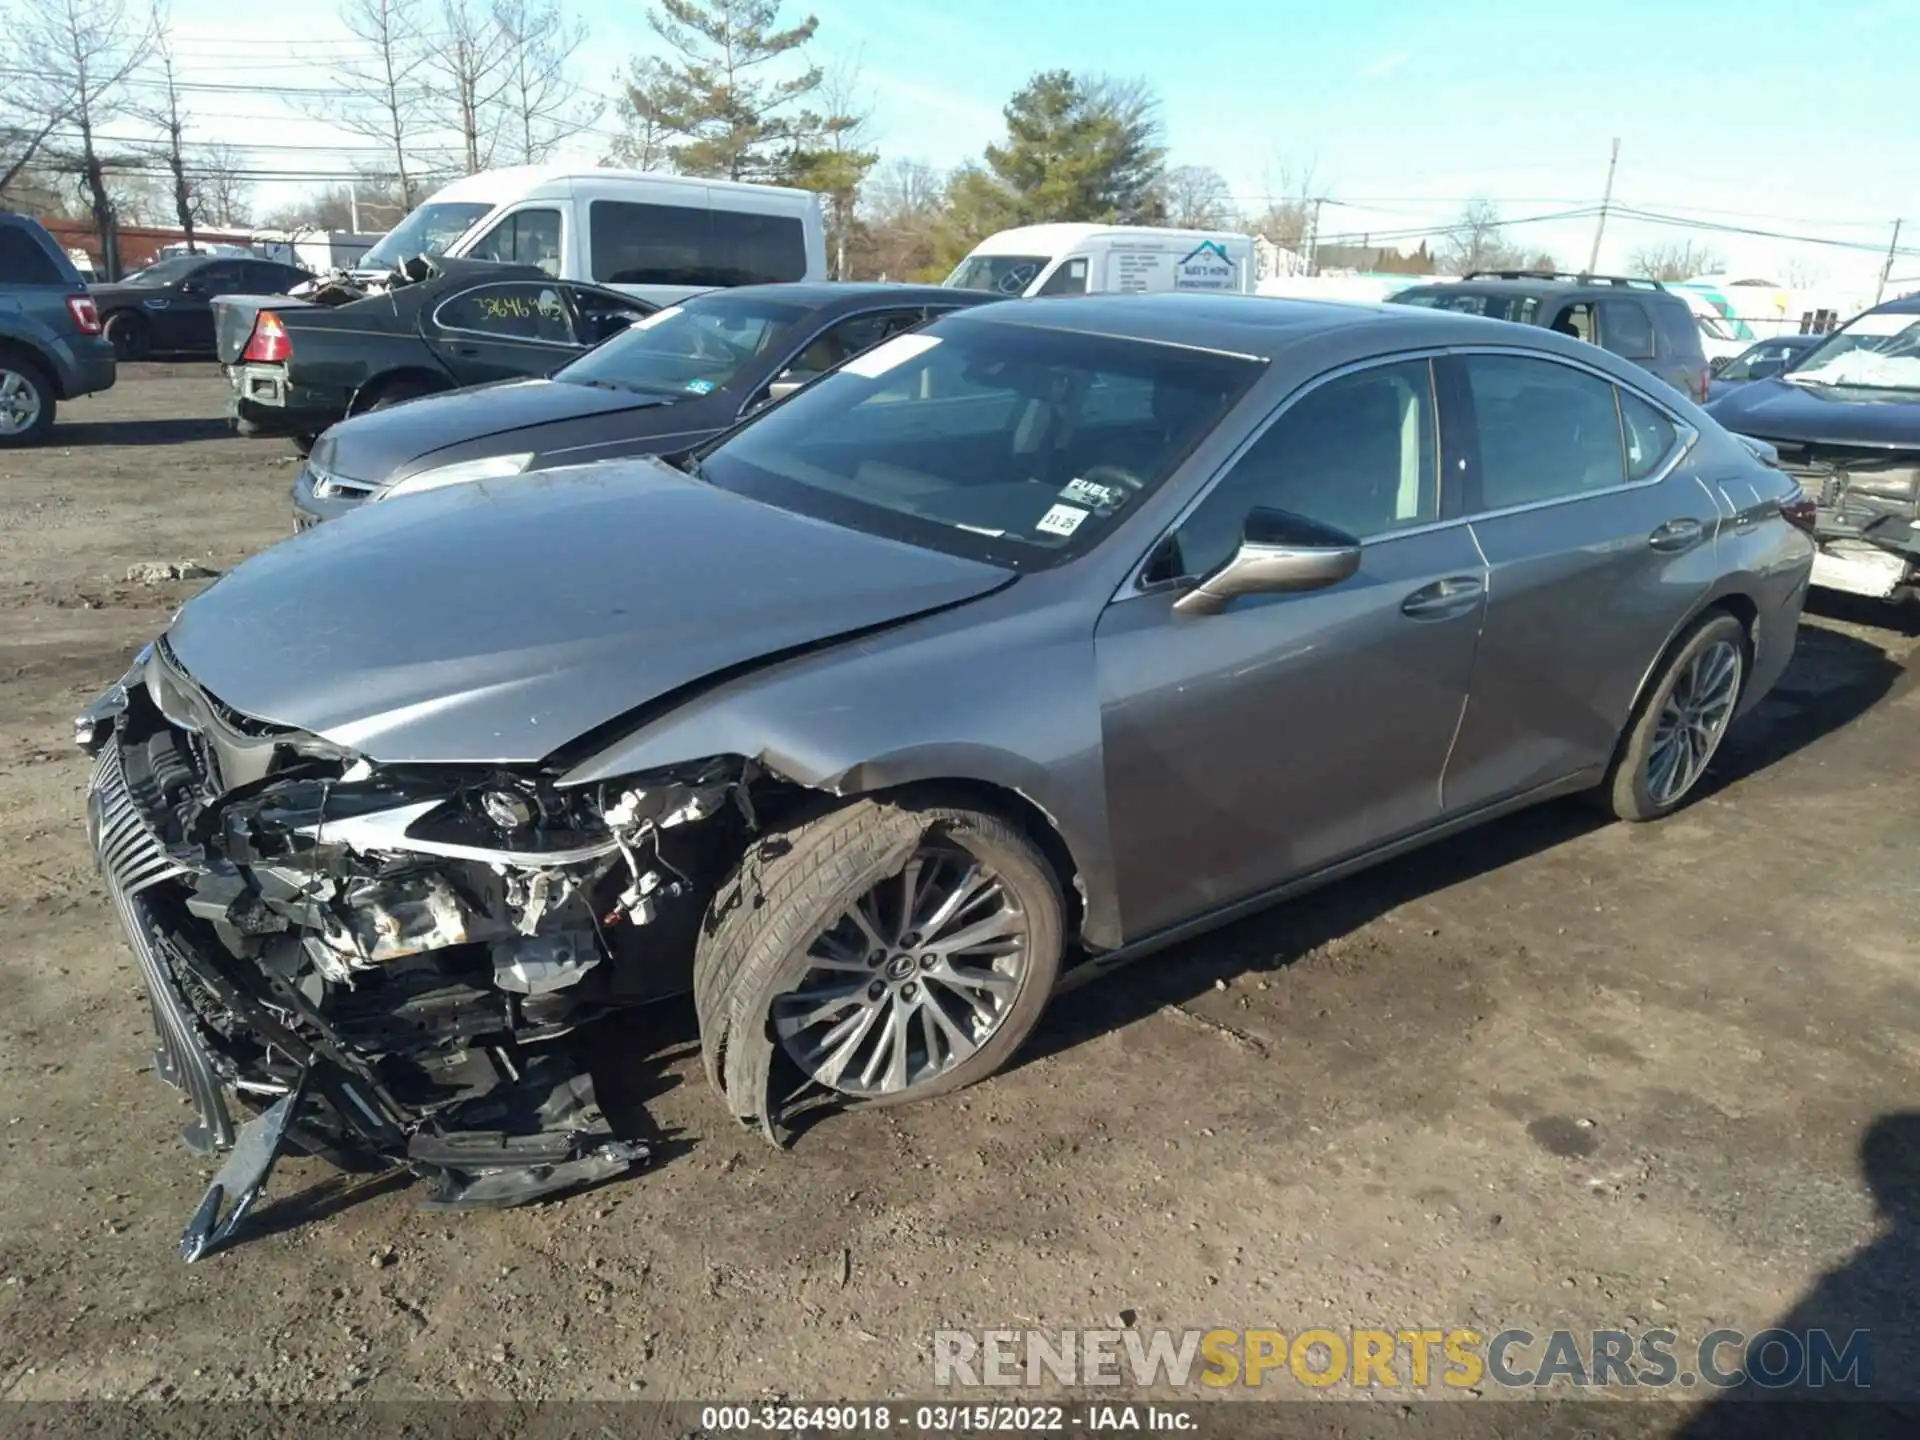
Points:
(1106, 259)
(661, 237)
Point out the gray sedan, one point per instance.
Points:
(1055, 631)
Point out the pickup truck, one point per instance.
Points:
(51, 348)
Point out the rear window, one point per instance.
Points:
(634, 244)
(1007, 443)
(1520, 309)
(1626, 330)
(1679, 329)
(25, 261)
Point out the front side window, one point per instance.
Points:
(526, 237)
(1547, 431)
(1577, 321)
(846, 338)
(1069, 279)
(165, 272)
(693, 348)
(1359, 453)
(509, 312)
(984, 439)
(997, 274)
(1520, 309)
(1625, 329)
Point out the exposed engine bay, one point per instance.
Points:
(389, 963)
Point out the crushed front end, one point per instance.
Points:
(1867, 514)
(380, 965)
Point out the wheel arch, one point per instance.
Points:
(369, 391)
(13, 347)
(1728, 600)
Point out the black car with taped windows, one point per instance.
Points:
(296, 368)
(168, 308)
(670, 382)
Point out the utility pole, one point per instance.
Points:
(1887, 269)
(353, 208)
(1313, 236)
(1606, 199)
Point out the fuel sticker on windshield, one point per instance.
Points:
(1060, 520)
(699, 387)
(884, 356)
(1090, 492)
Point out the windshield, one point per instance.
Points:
(1004, 442)
(166, 271)
(427, 231)
(998, 274)
(1712, 328)
(1518, 308)
(1769, 357)
(694, 348)
(1879, 350)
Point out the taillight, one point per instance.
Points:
(85, 313)
(268, 343)
(1706, 384)
(1798, 510)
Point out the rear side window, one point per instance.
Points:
(1547, 431)
(509, 312)
(25, 261)
(1679, 330)
(1626, 330)
(636, 244)
(1650, 436)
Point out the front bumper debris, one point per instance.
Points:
(379, 1009)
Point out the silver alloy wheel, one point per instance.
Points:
(19, 403)
(1692, 721)
(909, 980)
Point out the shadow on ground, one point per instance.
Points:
(137, 432)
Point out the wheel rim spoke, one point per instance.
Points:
(916, 1010)
(1693, 720)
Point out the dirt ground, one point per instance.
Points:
(1556, 1073)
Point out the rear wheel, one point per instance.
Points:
(26, 401)
(883, 952)
(1679, 724)
(129, 335)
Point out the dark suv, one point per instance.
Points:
(51, 348)
(1638, 320)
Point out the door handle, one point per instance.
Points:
(1455, 595)
(1677, 535)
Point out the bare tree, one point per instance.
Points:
(1197, 198)
(544, 106)
(902, 209)
(92, 49)
(466, 74)
(1804, 274)
(171, 121)
(1675, 260)
(35, 102)
(830, 154)
(1288, 206)
(1476, 241)
(381, 96)
(221, 185)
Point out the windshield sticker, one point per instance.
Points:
(1060, 520)
(700, 387)
(647, 322)
(883, 357)
(1089, 492)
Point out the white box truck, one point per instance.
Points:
(1107, 259)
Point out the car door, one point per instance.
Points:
(1249, 747)
(501, 330)
(599, 315)
(1598, 541)
(186, 322)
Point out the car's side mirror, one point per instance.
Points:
(1765, 369)
(192, 287)
(1279, 552)
(605, 324)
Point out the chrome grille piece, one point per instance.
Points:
(132, 860)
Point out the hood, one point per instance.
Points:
(496, 621)
(380, 444)
(1815, 414)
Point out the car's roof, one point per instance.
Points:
(1257, 325)
(822, 293)
(1905, 305)
(1543, 285)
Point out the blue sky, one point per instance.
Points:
(1401, 110)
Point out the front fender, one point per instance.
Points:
(992, 693)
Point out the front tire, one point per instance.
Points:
(1677, 728)
(886, 951)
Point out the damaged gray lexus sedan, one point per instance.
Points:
(1030, 640)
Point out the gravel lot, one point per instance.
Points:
(1556, 1073)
